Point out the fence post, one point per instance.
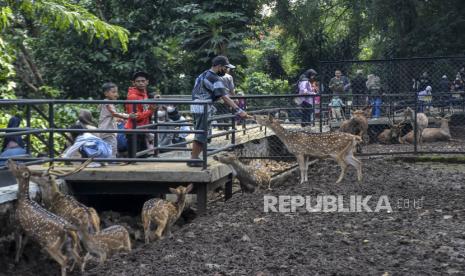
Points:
(321, 113)
(28, 125)
(134, 135)
(415, 134)
(51, 125)
(155, 137)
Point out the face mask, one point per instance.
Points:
(170, 109)
(221, 73)
(161, 113)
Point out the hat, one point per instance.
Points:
(359, 71)
(222, 60)
(428, 88)
(444, 77)
(139, 74)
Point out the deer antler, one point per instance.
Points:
(58, 173)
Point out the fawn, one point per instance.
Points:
(305, 144)
(64, 205)
(163, 213)
(250, 177)
(104, 243)
(52, 232)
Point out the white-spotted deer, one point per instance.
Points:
(105, 243)
(305, 144)
(53, 233)
(250, 177)
(163, 214)
(64, 205)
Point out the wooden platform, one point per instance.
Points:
(148, 179)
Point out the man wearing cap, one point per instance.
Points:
(209, 86)
(143, 112)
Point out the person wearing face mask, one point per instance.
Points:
(164, 139)
(174, 116)
(209, 86)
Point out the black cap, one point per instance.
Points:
(139, 74)
(222, 60)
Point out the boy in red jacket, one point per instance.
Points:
(143, 111)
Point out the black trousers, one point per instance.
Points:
(307, 111)
(141, 144)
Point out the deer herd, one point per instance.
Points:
(64, 227)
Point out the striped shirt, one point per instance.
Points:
(208, 86)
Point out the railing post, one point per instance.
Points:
(28, 125)
(205, 129)
(155, 138)
(233, 127)
(415, 134)
(321, 114)
(51, 125)
(134, 135)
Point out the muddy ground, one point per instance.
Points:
(423, 235)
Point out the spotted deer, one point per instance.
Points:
(163, 214)
(305, 144)
(249, 177)
(64, 205)
(56, 235)
(104, 243)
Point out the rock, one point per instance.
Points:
(258, 220)
(189, 235)
(212, 266)
(245, 238)
(447, 217)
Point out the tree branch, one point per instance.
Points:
(28, 60)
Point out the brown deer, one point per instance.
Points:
(431, 134)
(249, 177)
(391, 135)
(51, 232)
(104, 243)
(163, 214)
(305, 144)
(422, 123)
(64, 205)
(357, 125)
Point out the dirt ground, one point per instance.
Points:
(423, 235)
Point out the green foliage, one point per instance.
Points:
(259, 83)
(7, 71)
(62, 15)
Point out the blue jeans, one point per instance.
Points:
(376, 103)
(10, 153)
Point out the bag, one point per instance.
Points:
(97, 148)
(121, 140)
